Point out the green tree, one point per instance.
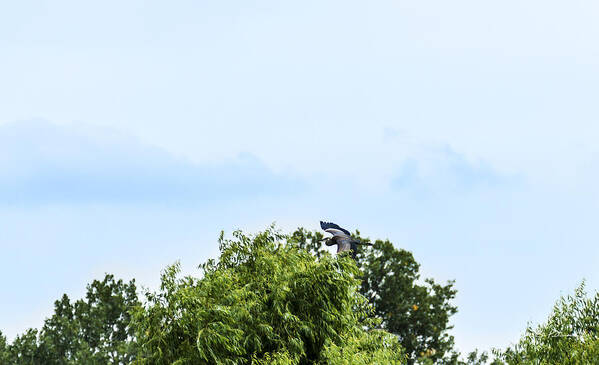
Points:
(94, 330)
(418, 312)
(25, 350)
(104, 319)
(59, 338)
(570, 336)
(4, 356)
(473, 358)
(262, 302)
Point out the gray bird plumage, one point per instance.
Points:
(342, 238)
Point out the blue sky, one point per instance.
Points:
(132, 133)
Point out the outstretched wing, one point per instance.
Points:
(328, 225)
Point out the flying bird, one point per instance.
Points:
(342, 238)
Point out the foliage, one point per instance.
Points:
(275, 299)
(25, 349)
(94, 330)
(570, 335)
(262, 302)
(454, 358)
(4, 355)
(418, 313)
(476, 358)
(367, 347)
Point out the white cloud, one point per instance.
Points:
(443, 170)
(45, 163)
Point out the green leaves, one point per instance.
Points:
(570, 335)
(94, 330)
(418, 313)
(276, 299)
(268, 298)
(263, 301)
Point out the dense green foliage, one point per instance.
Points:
(94, 330)
(4, 350)
(570, 336)
(276, 299)
(262, 302)
(418, 312)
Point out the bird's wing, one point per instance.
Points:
(343, 244)
(337, 233)
(326, 226)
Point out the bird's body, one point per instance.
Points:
(342, 238)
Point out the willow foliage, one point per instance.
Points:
(570, 336)
(262, 302)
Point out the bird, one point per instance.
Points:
(342, 238)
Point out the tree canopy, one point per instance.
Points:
(570, 336)
(271, 298)
(94, 330)
(417, 311)
(262, 302)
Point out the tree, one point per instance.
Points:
(25, 350)
(104, 318)
(59, 339)
(570, 335)
(417, 312)
(262, 302)
(4, 356)
(473, 358)
(94, 330)
(269, 298)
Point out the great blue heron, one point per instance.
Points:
(342, 238)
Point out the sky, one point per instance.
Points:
(132, 133)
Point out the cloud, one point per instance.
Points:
(45, 163)
(443, 170)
